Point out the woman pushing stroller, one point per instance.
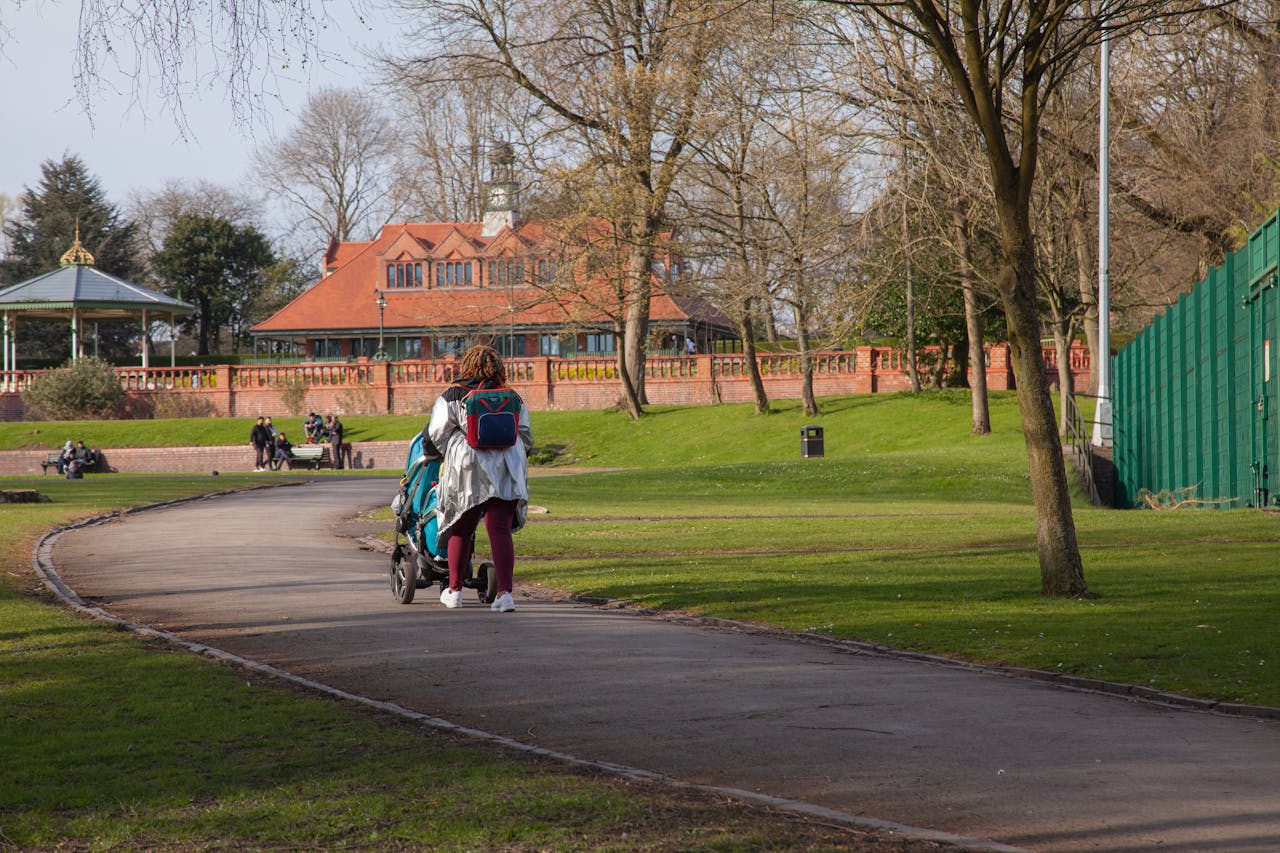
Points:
(483, 430)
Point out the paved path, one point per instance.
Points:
(262, 574)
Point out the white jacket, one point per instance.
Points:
(469, 477)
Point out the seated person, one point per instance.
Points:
(283, 452)
(81, 458)
(68, 453)
(313, 426)
(322, 430)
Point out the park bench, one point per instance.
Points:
(51, 460)
(315, 455)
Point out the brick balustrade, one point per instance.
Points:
(370, 388)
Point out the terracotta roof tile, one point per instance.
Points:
(345, 299)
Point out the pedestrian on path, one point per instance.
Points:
(335, 441)
(492, 482)
(260, 438)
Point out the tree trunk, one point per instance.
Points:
(960, 355)
(203, 327)
(806, 361)
(1061, 570)
(939, 372)
(629, 401)
(973, 326)
(747, 329)
(636, 339)
(1062, 354)
(913, 369)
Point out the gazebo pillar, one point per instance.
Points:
(4, 340)
(146, 356)
(173, 340)
(75, 335)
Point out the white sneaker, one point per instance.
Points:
(503, 604)
(451, 597)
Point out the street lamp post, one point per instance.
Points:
(1102, 433)
(381, 354)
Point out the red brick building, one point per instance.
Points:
(430, 289)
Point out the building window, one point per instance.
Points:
(601, 343)
(449, 346)
(404, 275)
(365, 347)
(546, 271)
(405, 348)
(453, 274)
(508, 272)
(548, 345)
(326, 348)
(509, 345)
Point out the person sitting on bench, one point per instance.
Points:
(81, 458)
(68, 453)
(284, 452)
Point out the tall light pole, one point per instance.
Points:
(1102, 414)
(381, 354)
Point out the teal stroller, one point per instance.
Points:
(417, 561)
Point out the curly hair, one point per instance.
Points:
(483, 362)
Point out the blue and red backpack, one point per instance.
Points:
(492, 417)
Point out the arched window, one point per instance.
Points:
(404, 274)
(453, 274)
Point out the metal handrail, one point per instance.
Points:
(1079, 441)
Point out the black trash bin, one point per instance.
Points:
(811, 441)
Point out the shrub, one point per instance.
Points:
(172, 405)
(86, 389)
(294, 395)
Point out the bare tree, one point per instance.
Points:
(441, 163)
(624, 80)
(805, 203)
(939, 193)
(1002, 60)
(722, 221)
(337, 168)
(155, 212)
(171, 46)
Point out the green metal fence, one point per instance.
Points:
(1194, 399)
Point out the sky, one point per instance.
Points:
(133, 141)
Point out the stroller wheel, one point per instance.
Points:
(487, 586)
(404, 581)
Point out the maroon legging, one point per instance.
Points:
(498, 516)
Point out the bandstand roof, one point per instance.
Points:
(91, 293)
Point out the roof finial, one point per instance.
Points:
(77, 255)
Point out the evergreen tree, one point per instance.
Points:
(218, 267)
(68, 197)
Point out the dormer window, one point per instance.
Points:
(453, 274)
(502, 273)
(400, 275)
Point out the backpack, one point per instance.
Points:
(493, 418)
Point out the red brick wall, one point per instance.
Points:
(368, 388)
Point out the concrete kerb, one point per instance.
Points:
(42, 563)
